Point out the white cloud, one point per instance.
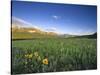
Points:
(88, 32)
(23, 22)
(20, 20)
(84, 32)
(51, 29)
(55, 17)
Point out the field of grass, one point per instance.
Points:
(53, 55)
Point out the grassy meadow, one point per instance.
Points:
(53, 55)
(52, 37)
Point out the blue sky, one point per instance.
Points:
(60, 18)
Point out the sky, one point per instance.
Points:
(60, 18)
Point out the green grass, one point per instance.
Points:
(62, 54)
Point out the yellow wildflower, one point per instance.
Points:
(39, 58)
(45, 61)
(36, 54)
(26, 55)
(29, 56)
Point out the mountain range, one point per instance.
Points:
(23, 30)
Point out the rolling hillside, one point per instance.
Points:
(94, 36)
(21, 30)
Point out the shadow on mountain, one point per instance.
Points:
(94, 36)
